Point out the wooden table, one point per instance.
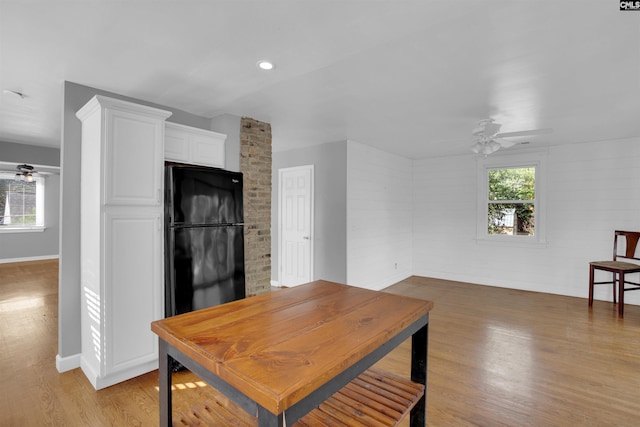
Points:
(281, 354)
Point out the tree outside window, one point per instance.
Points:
(511, 201)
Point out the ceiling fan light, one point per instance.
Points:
(476, 148)
(25, 173)
(485, 148)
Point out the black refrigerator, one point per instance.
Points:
(204, 241)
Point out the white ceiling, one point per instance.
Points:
(410, 77)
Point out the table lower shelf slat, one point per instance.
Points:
(374, 399)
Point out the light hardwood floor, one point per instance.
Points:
(497, 357)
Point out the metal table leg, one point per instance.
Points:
(164, 384)
(419, 348)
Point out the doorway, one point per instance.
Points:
(295, 225)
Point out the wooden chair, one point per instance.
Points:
(618, 269)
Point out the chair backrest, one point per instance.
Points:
(631, 243)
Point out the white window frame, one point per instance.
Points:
(40, 208)
(536, 160)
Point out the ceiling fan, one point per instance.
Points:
(488, 140)
(28, 173)
(25, 173)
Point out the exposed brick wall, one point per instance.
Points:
(255, 164)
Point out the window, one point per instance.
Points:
(21, 203)
(511, 202)
(510, 206)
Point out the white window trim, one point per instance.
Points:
(537, 159)
(29, 229)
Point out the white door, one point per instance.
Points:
(296, 225)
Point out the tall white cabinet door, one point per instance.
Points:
(132, 155)
(131, 287)
(122, 165)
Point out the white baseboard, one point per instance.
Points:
(102, 381)
(64, 364)
(275, 284)
(32, 258)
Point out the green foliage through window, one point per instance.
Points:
(511, 201)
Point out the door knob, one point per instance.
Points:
(306, 237)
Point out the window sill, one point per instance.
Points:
(514, 242)
(34, 229)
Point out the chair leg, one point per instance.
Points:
(621, 294)
(614, 287)
(591, 273)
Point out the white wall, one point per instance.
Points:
(363, 213)
(379, 217)
(592, 190)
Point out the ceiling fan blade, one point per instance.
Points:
(505, 143)
(525, 133)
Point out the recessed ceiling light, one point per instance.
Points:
(265, 65)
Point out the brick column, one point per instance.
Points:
(255, 164)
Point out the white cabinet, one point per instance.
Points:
(121, 238)
(186, 144)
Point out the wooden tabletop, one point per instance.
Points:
(278, 347)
